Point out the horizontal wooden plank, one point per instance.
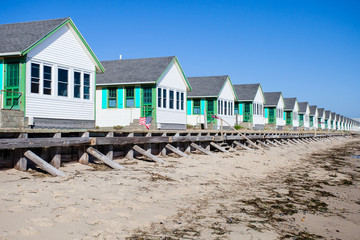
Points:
(42, 142)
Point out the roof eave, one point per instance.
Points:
(10, 54)
(119, 83)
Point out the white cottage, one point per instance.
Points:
(213, 95)
(291, 113)
(333, 121)
(274, 110)
(250, 105)
(146, 87)
(321, 118)
(304, 112)
(328, 120)
(313, 116)
(338, 122)
(48, 73)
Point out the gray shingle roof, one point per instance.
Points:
(333, 115)
(17, 37)
(246, 92)
(338, 117)
(327, 114)
(289, 104)
(303, 107)
(209, 86)
(127, 71)
(321, 112)
(313, 110)
(272, 98)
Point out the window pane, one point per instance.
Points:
(77, 84)
(177, 100)
(171, 104)
(159, 97)
(35, 77)
(164, 98)
(130, 102)
(47, 80)
(86, 86)
(62, 82)
(182, 101)
(112, 98)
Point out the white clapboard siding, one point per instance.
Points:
(63, 48)
(296, 110)
(59, 108)
(171, 80)
(227, 94)
(259, 99)
(280, 119)
(110, 117)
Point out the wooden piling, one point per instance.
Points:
(242, 146)
(219, 147)
(147, 154)
(177, 151)
(104, 158)
(201, 149)
(43, 164)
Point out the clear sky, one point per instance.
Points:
(309, 49)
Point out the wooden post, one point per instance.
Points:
(83, 156)
(147, 154)
(148, 145)
(286, 142)
(56, 160)
(261, 143)
(104, 158)
(175, 150)
(188, 149)
(205, 120)
(110, 153)
(201, 149)
(163, 151)
(254, 145)
(43, 164)
(243, 146)
(218, 147)
(278, 142)
(270, 142)
(21, 163)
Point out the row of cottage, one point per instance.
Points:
(49, 73)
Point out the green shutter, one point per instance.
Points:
(137, 96)
(1, 73)
(240, 108)
(202, 106)
(104, 98)
(284, 114)
(189, 110)
(266, 112)
(120, 97)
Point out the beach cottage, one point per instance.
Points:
(327, 120)
(333, 121)
(291, 114)
(47, 75)
(313, 116)
(321, 118)
(304, 112)
(211, 95)
(250, 106)
(337, 122)
(274, 110)
(155, 88)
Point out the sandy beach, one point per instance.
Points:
(304, 191)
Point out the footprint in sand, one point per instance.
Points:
(28, 231)
(41, 222)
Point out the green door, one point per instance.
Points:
(147, 109)
(210, 111)
(272, 118)
(288, 118)
(247, 112)
(12, 84)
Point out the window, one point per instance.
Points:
(159, 97)
(177, 100)
(231, 109)
(86, 86)
(225, 107)
(47, 80)
(182, 101)
(164, 98)
(130, 97)
(196, 106)
(77, 84)
(35, 77)
(62, 82)
(171, 103)
(236, 109)
(222, 107)
(112, 98)
(219, 106)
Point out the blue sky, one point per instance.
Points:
(306, 49)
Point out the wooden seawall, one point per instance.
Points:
(49, 149)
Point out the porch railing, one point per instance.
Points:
(247, 117)
(9, 99)
(147, 111)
